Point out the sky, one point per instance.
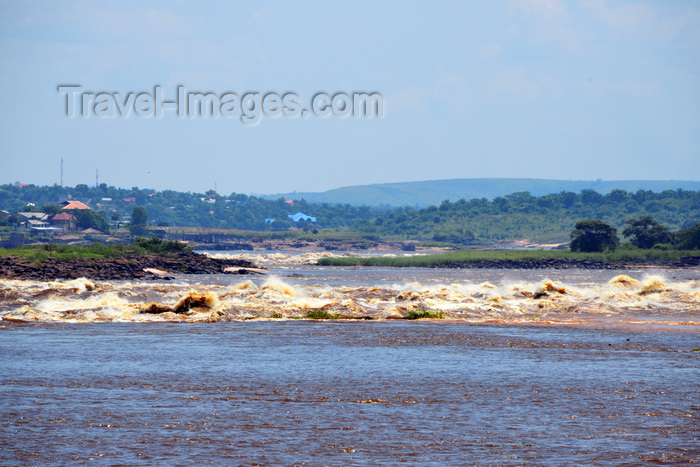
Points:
(573, 90)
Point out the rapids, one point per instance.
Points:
(527, 367)
(561, 297)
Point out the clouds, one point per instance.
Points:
(545, 22)
(585, 26)
(106, 42)
(537, 78)
(634, 18)
(514, 83)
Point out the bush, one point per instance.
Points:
(423, 313)
(318, 314)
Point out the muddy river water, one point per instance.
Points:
(525, 368)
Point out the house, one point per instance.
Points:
(33, 219)
(73, 204)
(300, 216)
(36, 224)
(64, 220)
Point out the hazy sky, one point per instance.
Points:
(540, 89)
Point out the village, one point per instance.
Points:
(64, 227)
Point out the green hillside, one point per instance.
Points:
(426, 193)
(515, 216)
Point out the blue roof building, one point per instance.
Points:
(300, 216)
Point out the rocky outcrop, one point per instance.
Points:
(121, 268)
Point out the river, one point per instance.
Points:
(526, 367)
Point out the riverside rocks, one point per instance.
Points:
(121, 268)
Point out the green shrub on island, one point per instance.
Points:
(423, 313)
(320, 314)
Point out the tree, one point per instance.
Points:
(88, 219)
(139, 217)
(645, 232)
(280, 224)
(689, 238)
(51, 209)
(589, 197)
(567, 198)
(592, 235)
(616, 196)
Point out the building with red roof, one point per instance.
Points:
(73, 204)
(64, 220)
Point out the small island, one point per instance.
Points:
(147, 258)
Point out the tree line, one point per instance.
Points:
(549, 218)
(592, 235)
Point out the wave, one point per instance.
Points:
(652, 300)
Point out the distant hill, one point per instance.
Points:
(426, 193)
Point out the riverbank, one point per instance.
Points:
(532, 259)
(571, 263)
(148, 266)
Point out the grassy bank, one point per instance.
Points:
(142, 246)
(476, 256)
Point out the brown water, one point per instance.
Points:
(531, 367)
(352, 393)
(294, 289)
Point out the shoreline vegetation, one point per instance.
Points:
(151, 258)
(528, 259)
